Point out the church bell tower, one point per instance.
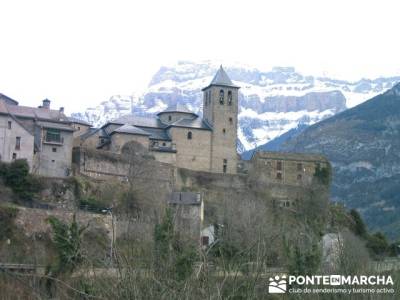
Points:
(220, 111)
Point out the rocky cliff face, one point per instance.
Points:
(271, 102)
(363, 144)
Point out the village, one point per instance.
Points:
(175, 141)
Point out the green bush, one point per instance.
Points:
(16, 176)
(378, 244)
(359, 227)
(322, 174)
(7, 216)
(92, 204)
(67, 239)
(174, 259)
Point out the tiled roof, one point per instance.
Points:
(129, 129)
(32, 112)
(191, 123)
(184, 198)
(55, 125)
(8, 99)
(177, 108)
(139, 121)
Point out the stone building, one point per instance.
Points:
(41, 135)
(177, 135)
(187, 212)
(286, 174)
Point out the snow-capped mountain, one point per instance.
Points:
(271, 102)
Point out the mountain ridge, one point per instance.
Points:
(363, 145)
(271, 102)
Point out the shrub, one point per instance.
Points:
(67, 240)
(16, 176)
(377, 243)
(322, 174)
(7, 216)
(92, 204)
(174, 259)
(359, 227)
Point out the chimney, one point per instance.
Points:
(61, 110)
(46, 104)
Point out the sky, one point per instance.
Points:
(79, 53)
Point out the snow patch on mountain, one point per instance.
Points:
(270, 102)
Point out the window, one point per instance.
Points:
(299, 177)
(18, 143)
(169, 118)
(53, 135)
(189, 135)
(164, 144)
(225, 165)
(279, 175)
(221, 97)
(14, 156)
(223, 130)
(230, 121)
(229, 97)
(299, 167)
(209, 97)
(279, 166)
(54, 149)
(9, 124)
(79, 128)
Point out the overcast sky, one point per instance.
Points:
(79, 52)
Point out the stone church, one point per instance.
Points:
(177, 135)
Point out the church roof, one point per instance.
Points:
(138, 121)
(129, 129)
(181, 108)
(196, 123)
(221, 78)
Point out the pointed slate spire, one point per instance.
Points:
(222, 79)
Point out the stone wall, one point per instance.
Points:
(192, 153)
(35, 220)
(286, 168)
(104, 165)
(120, 139)
(165, 157)
(260, 182)
(79, 129)
(89, 142)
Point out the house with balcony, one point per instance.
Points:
(41, 135)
